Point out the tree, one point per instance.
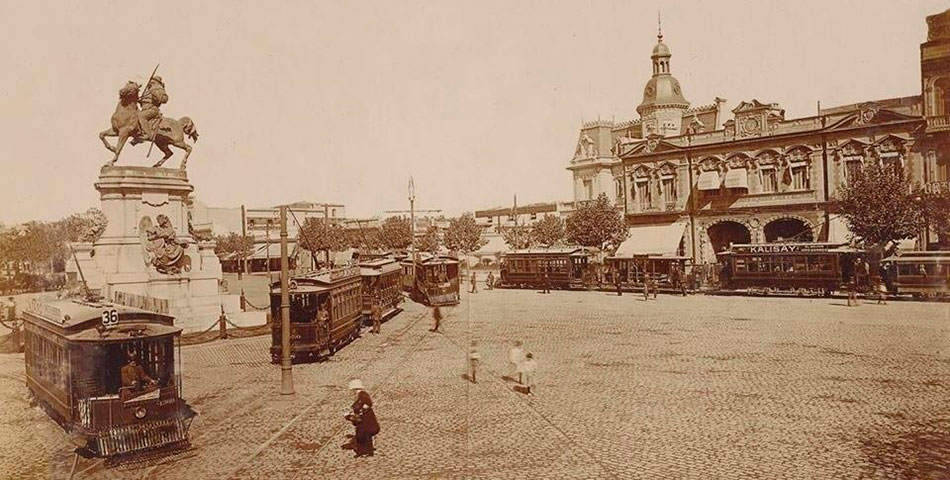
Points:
(396, 233)
(319, 235)
(463, 235)
(548, 231)
(517, 237)
(430, 241)
(880, 207)
(363, 238)
(596, 224)
(233, 244)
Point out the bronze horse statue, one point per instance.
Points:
(125, 126)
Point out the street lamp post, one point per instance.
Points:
(286, 368)
(921, 201)
(412, 226)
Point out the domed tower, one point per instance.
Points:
(661, 110)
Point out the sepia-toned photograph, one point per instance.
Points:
(420, 239)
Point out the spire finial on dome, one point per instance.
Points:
(659, 26)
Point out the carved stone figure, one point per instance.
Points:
(147, 124)
(165, 252)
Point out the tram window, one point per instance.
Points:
(741, 265)
(800, 264)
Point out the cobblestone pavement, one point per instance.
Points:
(696, 387)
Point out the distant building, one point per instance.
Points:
(690, 185)
(496, 219)
(263, 226)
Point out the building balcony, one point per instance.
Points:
(939, 123)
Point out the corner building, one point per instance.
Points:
(690, 185)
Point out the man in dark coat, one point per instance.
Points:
(363, 419)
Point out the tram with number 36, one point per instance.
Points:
(108, 374)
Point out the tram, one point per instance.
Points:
(108, 374)
(793, 268)
(382, 282)
(325, 313)
(436, 279)
(923, 274)
(666, 271)
(566, 268)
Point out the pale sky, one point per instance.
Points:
(343, 101)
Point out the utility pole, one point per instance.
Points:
(267, 247)
(286, 368)
(412, 226)
(243, 266)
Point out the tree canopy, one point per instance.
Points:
(396, 233)
(548, 231)
(430, 241)
(596, 224)
(880, 206)
(233, 243)
(463, 235)
(319, 235)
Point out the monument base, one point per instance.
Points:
(147, 257)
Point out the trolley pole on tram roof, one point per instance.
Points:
(286, 369)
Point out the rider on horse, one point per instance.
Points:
(154, 97)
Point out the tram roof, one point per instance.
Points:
(319, 278)
(378, 267)
(124, 332)
(547, 251)
(69, 313)
(804, 247)
(919, 256)
(429, 259)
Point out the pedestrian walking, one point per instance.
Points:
(436, 319)
(853, 293)
(881, 293)
(377, 313)
(516, 358)
(547, 283)
(528, 368)
(363, 418)
(474, 284)
(617, 283)
(473, 359)
(490, 281)
(646, 287)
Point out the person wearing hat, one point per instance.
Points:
(133, 375)
(527, 369)
(152, 98)
(363, 418)
(377, 313)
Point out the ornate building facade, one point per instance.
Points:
(690, 185)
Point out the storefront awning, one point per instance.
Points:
(737, 178)
(838, 231)
(708, 181)
(653, 240)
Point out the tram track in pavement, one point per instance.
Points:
(336, 430)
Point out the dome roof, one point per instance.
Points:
(662, 90)
(661, 50)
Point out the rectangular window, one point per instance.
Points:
(618, 187)
(800, 178)
(852, 168)
(768, 179)
(669, 190)
(642, 193)
(588, 190)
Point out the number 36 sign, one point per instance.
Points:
(110, 318)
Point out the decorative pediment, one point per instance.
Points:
(768, 157)
(752, 106)
(585, 148)
(666, 168)
(654, 144)
(851, 148)
(642, 171)
(798, 153)
(870, 114)
(711, 163)
(738, 160)
(891, 144)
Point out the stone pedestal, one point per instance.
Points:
(123, 259)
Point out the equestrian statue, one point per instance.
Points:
(147, 124)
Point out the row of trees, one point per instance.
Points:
(42, 247)
(594, 224)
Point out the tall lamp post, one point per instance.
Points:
(286, 368)
(921, 201)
